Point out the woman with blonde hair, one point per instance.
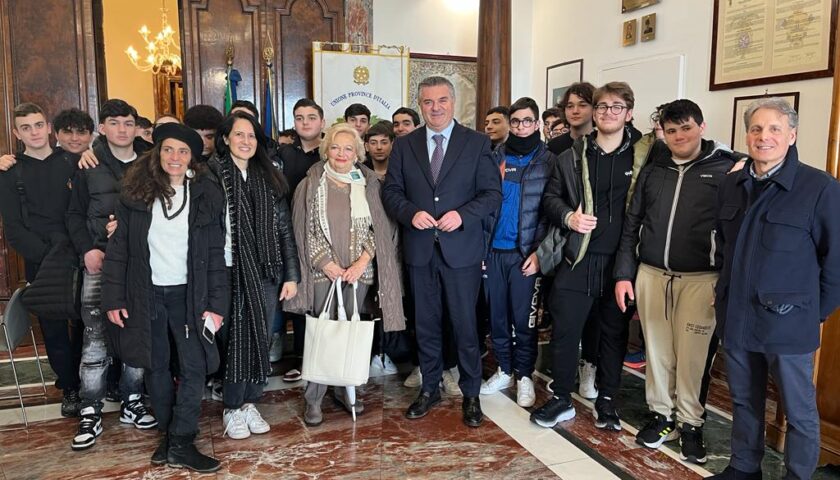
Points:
(342, 231)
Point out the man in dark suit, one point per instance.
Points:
(441, 184)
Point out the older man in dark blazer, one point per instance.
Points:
(441, 184)
(780, 236)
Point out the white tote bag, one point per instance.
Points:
(337, 351)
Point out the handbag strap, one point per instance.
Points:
(328, 304)
(342, 314)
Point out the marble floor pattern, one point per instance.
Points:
(381, 444)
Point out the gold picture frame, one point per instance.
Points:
(648, 27)
(768, 41)
(631, 5)
(628, 32)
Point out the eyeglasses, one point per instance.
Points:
(614, 109)
(557, 133)
(525, 122)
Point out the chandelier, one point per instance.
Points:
(162, 50)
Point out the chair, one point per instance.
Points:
(15, 323)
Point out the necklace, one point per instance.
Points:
(181, 209)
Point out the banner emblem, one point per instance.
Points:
(361, 75)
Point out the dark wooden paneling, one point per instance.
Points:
(494, 26)
(52, 54)
(208, 26)
(297, 26)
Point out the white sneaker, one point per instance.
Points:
(256, 423)
(377, 368)
(388, 365)
(415, 379)
(275, 351)
(499, 381)
(450, 382)
(235, 426)
(586, 372)
(525, 396)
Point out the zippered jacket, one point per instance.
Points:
(569, 188)
(670, 223)
(532, 222)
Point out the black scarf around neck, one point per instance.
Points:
(256, 257)
(522, 145)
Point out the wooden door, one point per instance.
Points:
(289, 26)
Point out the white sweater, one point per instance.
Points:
(169, 242)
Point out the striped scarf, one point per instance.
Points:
(256, 256)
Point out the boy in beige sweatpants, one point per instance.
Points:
(678, 320)
(668, 247)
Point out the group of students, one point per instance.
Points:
(190, 242)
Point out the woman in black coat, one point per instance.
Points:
(261, 254)
(165, 277)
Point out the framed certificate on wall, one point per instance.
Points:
(755, 42)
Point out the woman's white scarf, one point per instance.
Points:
(359, 210)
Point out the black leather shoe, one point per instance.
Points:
(732, 473)
(472, 412)
(425, 401)
(183, 454)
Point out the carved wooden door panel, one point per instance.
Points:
(209, 26)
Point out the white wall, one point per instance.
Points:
(443, 27)
(522, 51)
(560, 32)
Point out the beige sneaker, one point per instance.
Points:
(415, 379)
(450, 382)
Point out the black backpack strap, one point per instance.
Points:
(24, 209)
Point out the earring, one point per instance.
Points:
(190, 173)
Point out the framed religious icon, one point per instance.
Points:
(559, 77)
(648, 27)
(630, 5)
(756, 42)
(461, 71)
(739, 129)
(628, 32)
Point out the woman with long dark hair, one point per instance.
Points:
(261, 257)
(164, 278)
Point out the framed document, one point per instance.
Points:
(739, 130)
(559, 77)
(631, 5)
(755, 42)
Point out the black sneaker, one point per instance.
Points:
(606, 416)
(134, 412)
(90, 427)
(692, 448)
(71, 403)
(553, 412)
(657, 431)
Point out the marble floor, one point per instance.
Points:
(380, 444)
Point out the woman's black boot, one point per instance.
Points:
(182, 453)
